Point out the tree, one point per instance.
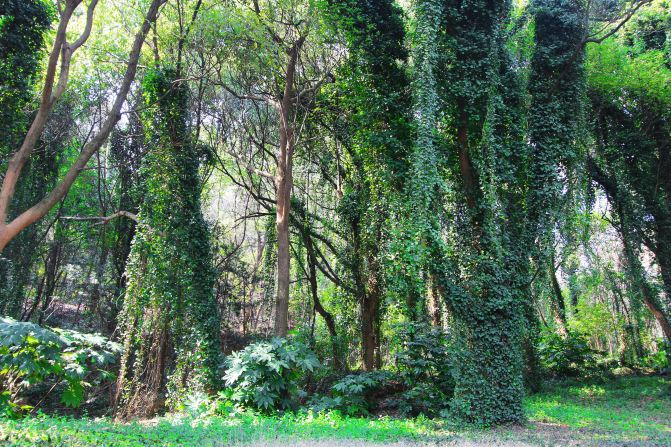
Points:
(278, 41)
(370, 120)
(59, 61)
(170, 319)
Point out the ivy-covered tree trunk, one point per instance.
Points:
(370, 316)
(170, 318)
(483, 296)
(373, 90)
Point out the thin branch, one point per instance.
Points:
(102, 220)
(251, 168)
(87, 29)
(627, 17)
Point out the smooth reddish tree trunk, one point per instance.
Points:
(284, 185)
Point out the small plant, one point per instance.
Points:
(196, 404)
(31, 354)
(264, 374)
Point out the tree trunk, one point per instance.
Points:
(51, 274)
(283, 255)
(338, 360)
(557, 301)
(283, 185)
(369, 318)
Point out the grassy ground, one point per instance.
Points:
(623, 412)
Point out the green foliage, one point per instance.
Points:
(568, 356)
(264, 375)
(415, 240)
(31, 354)
(660, 360)
(425, 369)
(23, 27)
(556, 123)
(351, 395)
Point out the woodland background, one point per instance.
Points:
(424, 207)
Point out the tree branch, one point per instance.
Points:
(33, 214)
(637, 5)
(103, 220)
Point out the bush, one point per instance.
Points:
(351, 394)
(31, 354)
(567, 356)
(424, 368)
(660, 360)
(264, 374)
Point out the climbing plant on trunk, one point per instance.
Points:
(170, 318)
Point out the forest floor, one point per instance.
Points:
(633, 411)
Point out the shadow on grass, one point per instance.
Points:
(632, 411)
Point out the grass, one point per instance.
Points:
(215, 431)
(627, 411)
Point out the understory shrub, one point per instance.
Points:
(265, 374)
(351, 395)
(660, 360)
(565, 356)
(424, 368)
(32, 355)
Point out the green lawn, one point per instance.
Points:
(629, 411)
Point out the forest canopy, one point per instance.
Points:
(288, 205)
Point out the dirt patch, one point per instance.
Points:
(537, 434)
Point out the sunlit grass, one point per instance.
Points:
(624, 410)
(215, 431)
(631, 406)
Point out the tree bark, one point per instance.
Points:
(9, 230)
(369, 318)
(284, 185)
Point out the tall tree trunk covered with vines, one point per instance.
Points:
(373, 90)
(170, 318)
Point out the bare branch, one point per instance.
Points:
(102, 220)
(630, 13)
